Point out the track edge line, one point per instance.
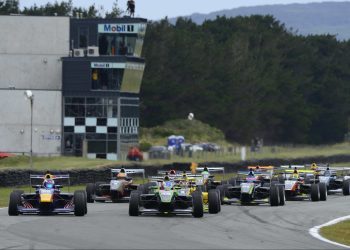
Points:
(316, 229)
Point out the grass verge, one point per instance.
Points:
(339, 232)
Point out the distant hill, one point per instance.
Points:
(313, 18)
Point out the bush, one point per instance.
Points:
(145, 146)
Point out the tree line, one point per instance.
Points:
(248, 76)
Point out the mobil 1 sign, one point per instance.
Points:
(120, 28)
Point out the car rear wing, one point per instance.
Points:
(49, 176)
(292, 166)
(212, 169)
(128, 171)
(261, 167)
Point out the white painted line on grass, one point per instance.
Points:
(315, 231)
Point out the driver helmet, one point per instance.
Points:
(48, 183)
(295, 171)
(313, 166)
(172, 172)
(166, 178)
(121, 173)
(251, 172)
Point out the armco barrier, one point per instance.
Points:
(12, 178)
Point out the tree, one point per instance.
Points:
(116, 11)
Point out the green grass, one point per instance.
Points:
(339, 232)
(5, 192)
(66, 163)
(53, 163)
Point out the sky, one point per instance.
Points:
(158, 9)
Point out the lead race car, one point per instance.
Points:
(47, 198)
(117, 189)
(165, 198)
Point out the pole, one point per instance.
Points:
(31, 133)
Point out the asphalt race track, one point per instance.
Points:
(108, 226)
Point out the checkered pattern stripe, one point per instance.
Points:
(100, 125)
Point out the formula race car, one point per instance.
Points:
(253, 187)
(47, 198)
(165, 198)
(117, 189)
(204, 182)
(336, 179)
(302, 184)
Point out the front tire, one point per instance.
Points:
(346, 187)
(315, 192)
(79, 203)
(274, 197)
(134, 203)
(323, 191)
(90, 190)
(197, 203)
(213, 201)
(15, 201)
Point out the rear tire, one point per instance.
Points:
(213, 201)
(90, 190)
(282, 195)
(79, 203)
(15, 201)
(323, 191)
(346, 187)
(232, 182)
(274, 197)
(219, 200)
(134, 203)
(197, 203)
(315, 192)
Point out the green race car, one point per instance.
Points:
(162, 197)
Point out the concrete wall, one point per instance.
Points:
(30, 51)
(15, 122)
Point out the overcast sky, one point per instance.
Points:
(157, 9)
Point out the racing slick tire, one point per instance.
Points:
(282, 195)
(79, 203)
(134, 203)
(97, 188)
(15, 201)
(18, 191)
(142, 188)
(232, 182)
(213, 201)
(315, 192)
(274, 197)
(346, 187)
(323, 191)
(90, 190)
(197, 203)
(219, 200)
(222, 189)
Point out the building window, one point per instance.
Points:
(83, 37)
(117, 44)
(106, 79)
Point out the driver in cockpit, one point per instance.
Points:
(48, 184)
(327, 172)
(123, 176)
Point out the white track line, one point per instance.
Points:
(3, 208)
(316, 230)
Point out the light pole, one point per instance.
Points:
(29, 95)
